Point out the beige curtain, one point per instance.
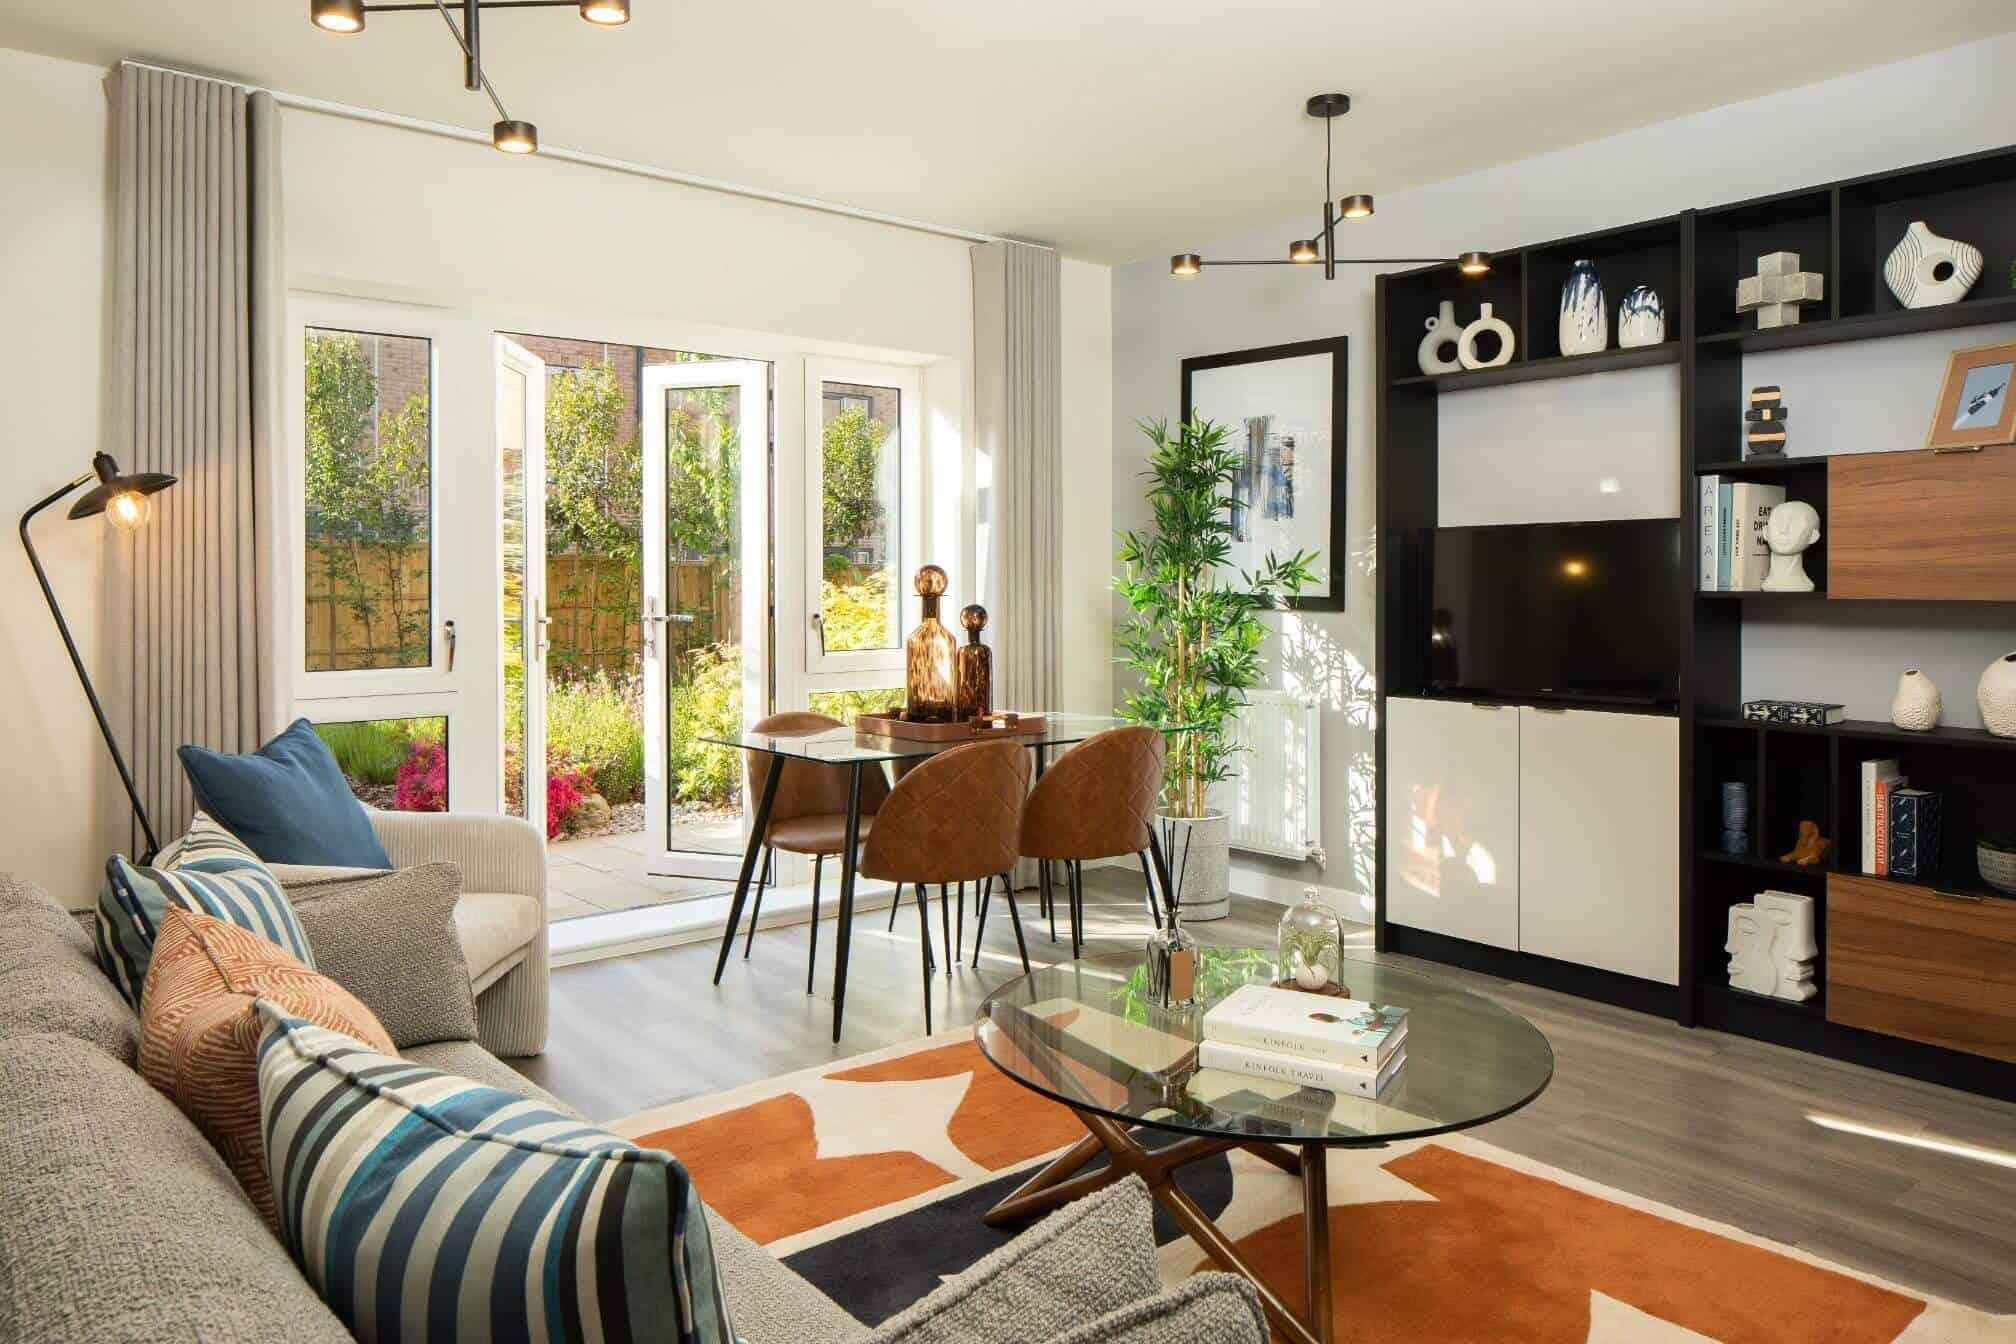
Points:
(1019, 419)
(198, 317)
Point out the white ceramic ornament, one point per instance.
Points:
(1466, 349)
(1914, 268)
(1442, 330)
(1915, 707)
(1792, 527)
(1641, 319)
(1997, 696)
(1584, 325)
(1311, 975)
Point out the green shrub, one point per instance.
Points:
(856, 614)
(707, 703)
(595, 724)
(845, 705)
(838, 568)
(371, 753)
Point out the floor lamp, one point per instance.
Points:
(123, 501)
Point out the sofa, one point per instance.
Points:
(119, 1222)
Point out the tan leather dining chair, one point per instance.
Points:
(951, 818)
(1096, 801)
(808, 815)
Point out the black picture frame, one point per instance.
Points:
(1335, 558)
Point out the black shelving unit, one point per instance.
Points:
(1845, 231)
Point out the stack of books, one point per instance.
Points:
(1900, 824)
(1732, 555)
(1311, 1040)
(1880, 779)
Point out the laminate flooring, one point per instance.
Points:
(1726, 1128)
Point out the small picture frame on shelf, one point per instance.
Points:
(1976, 406)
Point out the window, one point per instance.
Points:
(367, 482)
(846, 705)
(860, 516)
(395, 765)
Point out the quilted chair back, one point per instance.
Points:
(952, 818)
(809, 790)
(1098, 800)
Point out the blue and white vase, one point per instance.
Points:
(1641, 318)
(1585, 322)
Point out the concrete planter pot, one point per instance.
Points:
(1199, 853)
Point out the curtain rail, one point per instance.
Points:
(582, 158)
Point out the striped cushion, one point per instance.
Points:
(423, 1206)
(199, 1031)
(207, 871)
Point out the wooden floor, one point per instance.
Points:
(1717, 1125)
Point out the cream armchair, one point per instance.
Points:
(501, 917)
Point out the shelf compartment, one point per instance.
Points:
(1773, 465)
(1729, 240)
(1539, 370)
(1624, 258)
(1970, 199)
(1814, 1008)
(1871, 729)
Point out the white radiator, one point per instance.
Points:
(1275, 798)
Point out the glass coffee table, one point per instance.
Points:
(1085, 1034)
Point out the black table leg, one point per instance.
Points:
(843, 935)
(758, 826)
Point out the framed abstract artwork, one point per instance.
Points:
(1283, 408)
(1975, 406)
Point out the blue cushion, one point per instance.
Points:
(207, 871)
(424, 1206)
(288, 801)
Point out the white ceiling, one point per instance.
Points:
(1116, 129)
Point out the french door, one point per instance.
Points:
(521, 456)
(706, 594)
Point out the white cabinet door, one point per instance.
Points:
(1599, 877)
(1452, 819)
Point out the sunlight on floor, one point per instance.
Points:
(1998, 1157)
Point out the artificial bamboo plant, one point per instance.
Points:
(1194, 632)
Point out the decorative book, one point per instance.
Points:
(1915, 816)
(1811, 712)
(1298, 1070)
(1346, 1032)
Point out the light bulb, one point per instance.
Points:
(608, 13)
(1303, 249)
(1474, 263)
(337, 16)
(127, 511)
(1185, 263)
(1356, 207)
(515, 137)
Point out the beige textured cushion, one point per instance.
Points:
(496, 927)
(50, 979)
(391, 939)
(199, 1032)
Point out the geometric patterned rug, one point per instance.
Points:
(868, 1176)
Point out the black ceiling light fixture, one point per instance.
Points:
(509, 134)
(1323, 247)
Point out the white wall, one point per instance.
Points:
(1951, 102)
(56, 794)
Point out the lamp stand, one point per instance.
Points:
(77, 661)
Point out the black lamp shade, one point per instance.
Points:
(1304, 249)
(112, 483)
(1358, 206)
(1185, 263)
(515, 137)
(337, 16)
(1474, 263)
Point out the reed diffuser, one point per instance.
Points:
(1172, 952)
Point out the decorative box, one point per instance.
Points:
(1915, 816)
(1812, 712)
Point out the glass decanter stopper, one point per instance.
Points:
(976, 665)
(1310, 945)
(931, 673)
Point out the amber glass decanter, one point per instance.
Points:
(930, 656)
(976, 665)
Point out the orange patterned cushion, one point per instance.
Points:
(199, 1034)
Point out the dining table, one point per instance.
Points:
(845, 747)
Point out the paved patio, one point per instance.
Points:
(595, 875)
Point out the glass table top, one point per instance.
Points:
(1085, 1034)
(840, 746)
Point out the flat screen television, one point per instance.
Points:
(1587, 611)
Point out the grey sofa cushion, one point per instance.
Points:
(50, 980)
(1203, 1309)
(121, 1222)
(1083, 1262)
(390, 939)
(469, 1060)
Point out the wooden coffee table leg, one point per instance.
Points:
(1316, 1235)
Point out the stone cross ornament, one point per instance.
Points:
(1778, 289)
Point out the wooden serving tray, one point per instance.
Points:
(888, 725)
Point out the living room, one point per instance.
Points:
(577, 555)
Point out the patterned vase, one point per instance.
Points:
(1915, 707)
(1585, 322)
(1914, 268)
(1997, 696)
(1641, 319)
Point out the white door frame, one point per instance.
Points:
(751, 379)
(532, 618)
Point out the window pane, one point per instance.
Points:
(846, 705)
(395, 765)
(368, 483)
(860, 510)
(511, 398)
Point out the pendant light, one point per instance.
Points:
(1323, 247)
(509, 135)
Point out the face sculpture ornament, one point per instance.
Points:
(1793, 526)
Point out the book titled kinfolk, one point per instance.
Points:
(1298, 1070)
(1346, 1032)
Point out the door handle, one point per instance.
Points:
(448, 634)
(819, 624)
(540, 622)
(1972, 897)
(649, 618)
(1959, 448)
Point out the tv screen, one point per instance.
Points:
(1571, 610)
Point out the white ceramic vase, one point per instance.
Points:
(1915, 707)
(1997, 696)
(1584, 322)
(1641, 319)
(1443, 330)
(1466, 348)
(1914, 268)
(1198, 851)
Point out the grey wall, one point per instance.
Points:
(1951, 102)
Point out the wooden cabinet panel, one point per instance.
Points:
(1909, 962)
(1599, 850)
(1922, 525)
(1451, 830)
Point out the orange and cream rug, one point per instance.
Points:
(869, 1176)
